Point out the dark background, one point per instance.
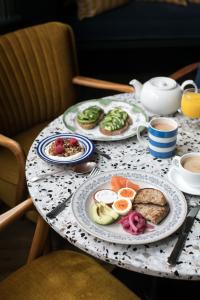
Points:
(118, 64)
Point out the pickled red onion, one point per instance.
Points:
(134, 223)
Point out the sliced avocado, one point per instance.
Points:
(114, 120)
(90, 114)
(109, 211)
(103, 214)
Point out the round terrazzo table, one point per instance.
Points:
(149, 259)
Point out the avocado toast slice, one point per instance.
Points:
(115, 122)
(90, 117)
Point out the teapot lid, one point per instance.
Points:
(163, 83)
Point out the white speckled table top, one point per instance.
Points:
(126, 154)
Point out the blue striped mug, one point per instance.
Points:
(162, 135)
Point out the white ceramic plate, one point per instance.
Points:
(180, 183)
(114, 233)
(42, 149)
(135, 112)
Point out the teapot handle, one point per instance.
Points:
(189, 82)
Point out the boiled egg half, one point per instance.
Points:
(126, 193)
(105, 196)
(122, 206)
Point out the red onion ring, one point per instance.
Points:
(134, 223)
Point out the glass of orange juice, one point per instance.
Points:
(190, 108)
(190, 103)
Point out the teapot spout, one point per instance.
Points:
(137, 86)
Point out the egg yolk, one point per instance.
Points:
(121, 204)
(127, 193)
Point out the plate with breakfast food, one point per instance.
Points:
(104, 119)
(65, 148)
(129, 207)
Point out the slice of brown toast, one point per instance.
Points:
(91, 125)
(151, 212)
(118, 131)
(150, 196)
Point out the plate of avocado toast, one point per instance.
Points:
(104, 119)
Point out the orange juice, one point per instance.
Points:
(190, 104)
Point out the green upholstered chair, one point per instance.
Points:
(38, 79)
(60, 275)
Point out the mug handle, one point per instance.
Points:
(189, 82)
(141, 139)
(176, 161)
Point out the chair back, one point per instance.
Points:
(36, 69)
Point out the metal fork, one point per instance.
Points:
(61, 206)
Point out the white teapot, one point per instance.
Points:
(160, 95)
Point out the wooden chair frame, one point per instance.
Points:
(18, 152)
(185, 70)
(41, 230)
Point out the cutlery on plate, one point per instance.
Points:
(102, 153)
(187, 225)
(61, 206)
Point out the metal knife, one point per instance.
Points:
(187, 225)
(102, 153)
(59, 208)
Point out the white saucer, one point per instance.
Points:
(180, 183)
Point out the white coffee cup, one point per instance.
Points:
(188, 166)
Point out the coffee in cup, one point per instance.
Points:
(162, 135)
(188, 167)
(192, 164)
(163, 126)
